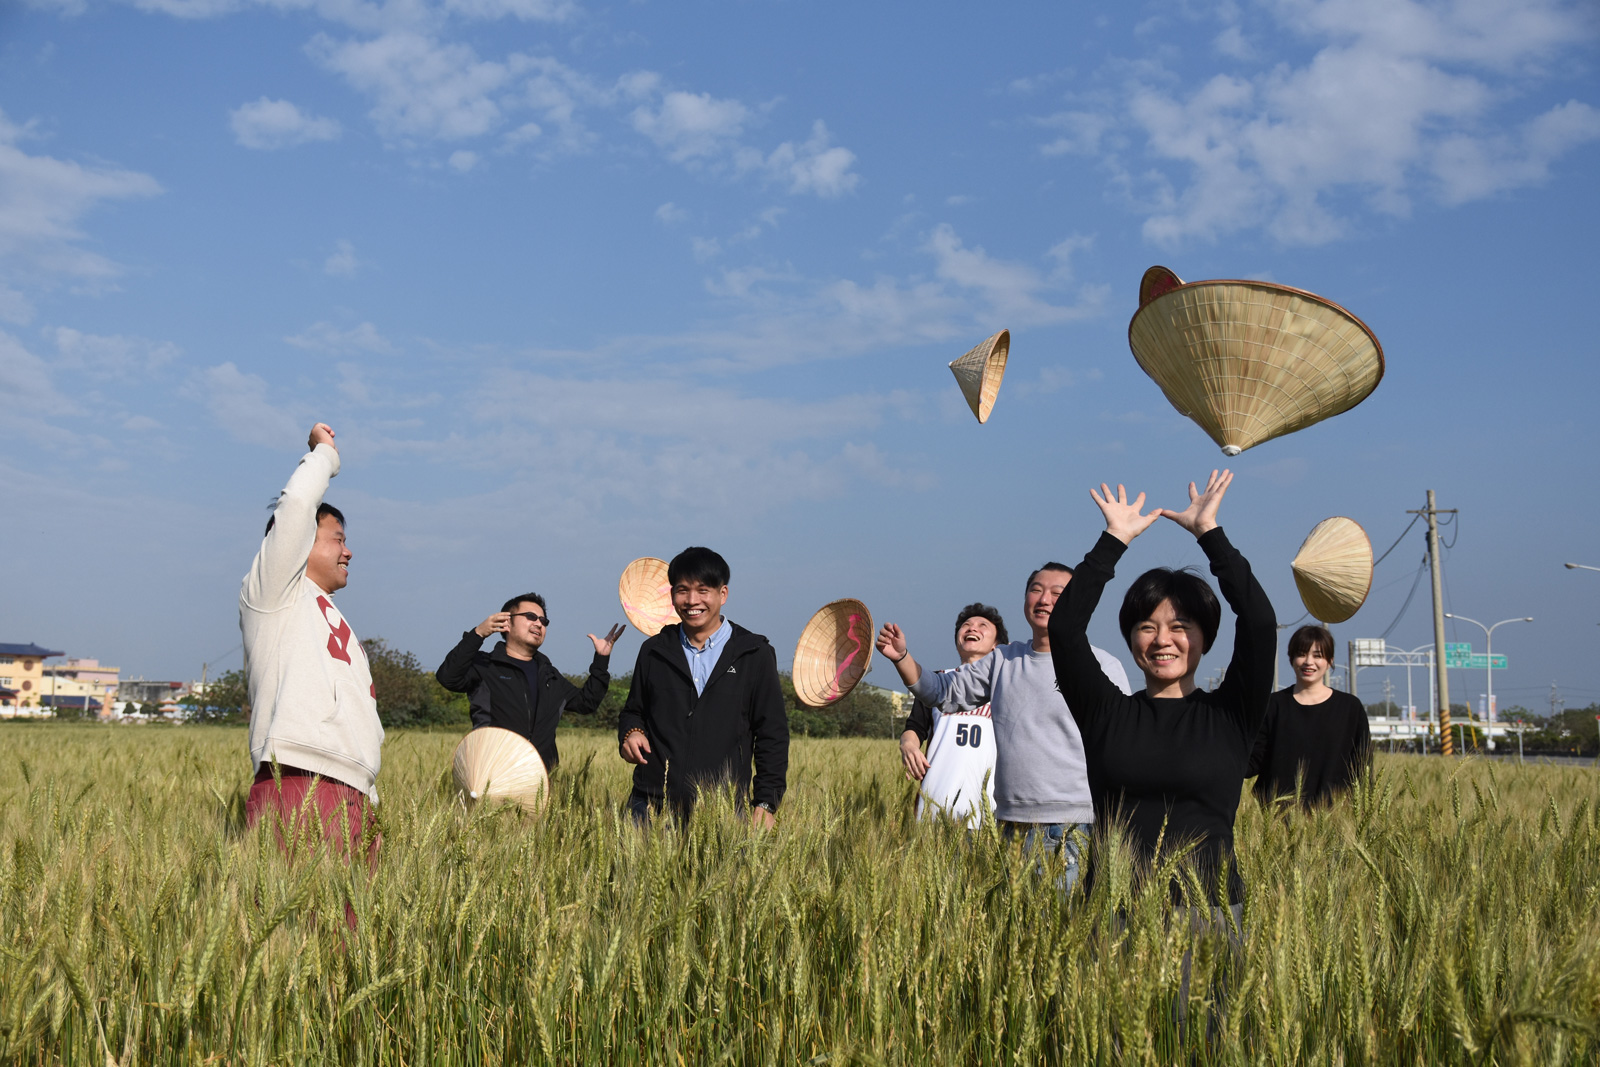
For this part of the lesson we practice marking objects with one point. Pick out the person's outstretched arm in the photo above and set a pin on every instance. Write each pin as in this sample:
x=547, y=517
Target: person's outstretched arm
x=1248, y=681
x=1079, y=674
x=598, y=683
x=281, y=560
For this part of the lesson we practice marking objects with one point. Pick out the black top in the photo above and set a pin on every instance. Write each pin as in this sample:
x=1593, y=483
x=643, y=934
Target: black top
x=524, y=696
x=920, y=721
x=1171, y=768
x=1329, y=743
x=700, y=740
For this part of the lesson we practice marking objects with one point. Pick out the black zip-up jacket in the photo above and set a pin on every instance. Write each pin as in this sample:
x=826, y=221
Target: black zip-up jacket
x=498, y=689
x=706, y=739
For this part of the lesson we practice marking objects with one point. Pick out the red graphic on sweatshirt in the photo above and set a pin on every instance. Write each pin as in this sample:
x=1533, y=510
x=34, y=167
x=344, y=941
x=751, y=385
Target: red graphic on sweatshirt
x=339, y=639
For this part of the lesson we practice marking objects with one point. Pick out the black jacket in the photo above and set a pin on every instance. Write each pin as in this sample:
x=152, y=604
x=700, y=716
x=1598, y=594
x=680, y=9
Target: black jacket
x=706, y=739
x=498, y=689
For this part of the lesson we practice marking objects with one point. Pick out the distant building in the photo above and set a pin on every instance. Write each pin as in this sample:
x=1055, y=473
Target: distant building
x=22, y=673
x=139, y=691
x=80, y=683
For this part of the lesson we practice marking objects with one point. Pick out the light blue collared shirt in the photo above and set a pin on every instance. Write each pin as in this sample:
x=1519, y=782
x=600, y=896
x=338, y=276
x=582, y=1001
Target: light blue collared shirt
x=702, y=661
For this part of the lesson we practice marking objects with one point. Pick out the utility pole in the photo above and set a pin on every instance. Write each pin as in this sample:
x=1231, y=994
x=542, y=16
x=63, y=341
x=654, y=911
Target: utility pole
x=1438, y=621
x=1555, y=701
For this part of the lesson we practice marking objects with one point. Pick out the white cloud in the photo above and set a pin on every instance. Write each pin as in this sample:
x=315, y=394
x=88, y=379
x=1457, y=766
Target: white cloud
x=816, y=166
x=271, y=124
x=326, y=337
x=670, y=214
x=461, y=160
x=122, y=358
x=342, y=261
x=1014, y=292
x=421, y=87
x=41, y=202
x=238, y=403
x=690, y=126
x=26, y=390
x=526, y=10
x=1402, y=100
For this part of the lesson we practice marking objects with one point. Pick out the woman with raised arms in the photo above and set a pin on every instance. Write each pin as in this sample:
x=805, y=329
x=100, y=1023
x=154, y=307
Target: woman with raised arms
x=1169, y=761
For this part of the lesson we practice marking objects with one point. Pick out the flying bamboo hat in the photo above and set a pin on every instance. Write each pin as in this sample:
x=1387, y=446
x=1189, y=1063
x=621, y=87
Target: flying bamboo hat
x=979, y=373
x=1250, y=361
x=1333, y=569
x=834, y=651
x=496, y=764
x=646, y=596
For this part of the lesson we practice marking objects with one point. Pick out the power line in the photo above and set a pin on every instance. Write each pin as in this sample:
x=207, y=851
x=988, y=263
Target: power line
x=1397, y=540
x=1416, y=581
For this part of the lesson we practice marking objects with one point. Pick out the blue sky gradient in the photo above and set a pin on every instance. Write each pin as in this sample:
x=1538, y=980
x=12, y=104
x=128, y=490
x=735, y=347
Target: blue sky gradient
x=579, y=283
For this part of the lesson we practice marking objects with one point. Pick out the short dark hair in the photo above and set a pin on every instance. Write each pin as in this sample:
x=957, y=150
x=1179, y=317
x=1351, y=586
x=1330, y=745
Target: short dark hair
x=1308, y=637
x=511, y=604
x=1191, y=597
x=984, y=611
x=322, y=509
x=697, y=564
x=1051, y=566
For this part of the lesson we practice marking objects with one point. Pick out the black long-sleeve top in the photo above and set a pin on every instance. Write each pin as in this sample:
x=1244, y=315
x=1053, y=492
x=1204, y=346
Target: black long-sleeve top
x=1172, y=765
x=1329, y=744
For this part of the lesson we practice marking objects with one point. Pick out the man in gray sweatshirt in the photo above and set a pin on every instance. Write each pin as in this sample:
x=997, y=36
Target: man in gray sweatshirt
x=1041, y=782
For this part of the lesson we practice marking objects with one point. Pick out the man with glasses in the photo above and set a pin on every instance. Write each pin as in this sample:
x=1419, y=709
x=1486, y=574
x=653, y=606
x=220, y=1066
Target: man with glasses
x=516, y=687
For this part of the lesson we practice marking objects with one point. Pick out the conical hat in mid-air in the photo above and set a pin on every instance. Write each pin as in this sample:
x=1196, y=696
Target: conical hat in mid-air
x=646, y=596
x=979, y=373
x=1333, y=569
x=834, y=651
x=496, y=764
x=1250, y=361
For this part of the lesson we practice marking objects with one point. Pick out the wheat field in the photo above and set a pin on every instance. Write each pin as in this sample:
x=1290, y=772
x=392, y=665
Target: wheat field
x=1449, y=914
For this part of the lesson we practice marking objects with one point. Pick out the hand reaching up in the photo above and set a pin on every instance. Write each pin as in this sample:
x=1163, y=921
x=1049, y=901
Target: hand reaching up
x=603, y=645
x=1123, y=520
x=1201, y=514
x=321, y=434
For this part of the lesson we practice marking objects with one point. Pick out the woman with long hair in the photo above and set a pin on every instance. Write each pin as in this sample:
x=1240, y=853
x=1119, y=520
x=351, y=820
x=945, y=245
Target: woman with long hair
x=1169, y=761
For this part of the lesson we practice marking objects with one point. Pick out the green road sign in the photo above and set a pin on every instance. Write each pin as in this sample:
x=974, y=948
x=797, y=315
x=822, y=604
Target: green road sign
x=1480, y=662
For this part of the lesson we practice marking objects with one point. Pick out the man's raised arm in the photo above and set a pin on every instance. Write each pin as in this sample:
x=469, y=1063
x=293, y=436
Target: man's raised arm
x=287, y=545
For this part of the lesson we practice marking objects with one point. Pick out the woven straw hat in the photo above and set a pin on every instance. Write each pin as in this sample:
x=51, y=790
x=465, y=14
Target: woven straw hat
x=979, y=373
x=834, y=651
x=1250, y=361
x=1333, y=569
x=646, y=596
x=496, y=764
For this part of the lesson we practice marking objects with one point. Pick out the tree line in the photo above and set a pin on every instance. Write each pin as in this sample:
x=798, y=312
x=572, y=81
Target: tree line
x=409, y=696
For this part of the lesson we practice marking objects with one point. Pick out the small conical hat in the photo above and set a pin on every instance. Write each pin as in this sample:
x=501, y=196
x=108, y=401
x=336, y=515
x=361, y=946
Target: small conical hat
x=1333, y=569
x=1250, y=361
x=646, y=596
x=834, y=651
x=979, y=373
x=496, y=764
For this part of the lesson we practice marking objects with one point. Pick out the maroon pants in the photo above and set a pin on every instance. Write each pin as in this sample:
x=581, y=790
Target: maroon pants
x=342, y=813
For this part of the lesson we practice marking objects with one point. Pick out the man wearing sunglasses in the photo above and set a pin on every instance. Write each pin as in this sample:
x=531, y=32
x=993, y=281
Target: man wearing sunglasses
x=516, y=687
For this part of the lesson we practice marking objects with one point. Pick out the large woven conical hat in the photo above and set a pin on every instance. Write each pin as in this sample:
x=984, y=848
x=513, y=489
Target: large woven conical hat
x=646, y=596
x=496, y=764
x=834, y=651
x=1333, y=569
x=979, y=373
x=1250, y=361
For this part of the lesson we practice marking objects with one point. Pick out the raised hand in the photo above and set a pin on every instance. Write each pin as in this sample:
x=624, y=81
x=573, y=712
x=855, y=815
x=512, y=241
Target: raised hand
x=603, y=645
x=892, y=643
x=1201, y=514
x=1123, y=520
x=498, y=623
x=321, y=434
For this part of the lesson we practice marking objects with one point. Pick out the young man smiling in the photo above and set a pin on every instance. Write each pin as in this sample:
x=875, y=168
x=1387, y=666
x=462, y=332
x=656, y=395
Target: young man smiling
x=705, y=703
x=313, y=712
x=516, y=687
x=1041, y=781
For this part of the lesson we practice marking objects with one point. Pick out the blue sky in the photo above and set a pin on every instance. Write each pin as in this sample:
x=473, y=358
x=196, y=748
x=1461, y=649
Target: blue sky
x=578, y=283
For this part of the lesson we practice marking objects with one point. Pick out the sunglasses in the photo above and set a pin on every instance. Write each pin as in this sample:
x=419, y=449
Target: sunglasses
x=541, y=620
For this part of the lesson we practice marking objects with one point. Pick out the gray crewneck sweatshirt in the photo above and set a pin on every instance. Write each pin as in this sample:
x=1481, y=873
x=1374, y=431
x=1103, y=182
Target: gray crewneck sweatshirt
x=1040, y=775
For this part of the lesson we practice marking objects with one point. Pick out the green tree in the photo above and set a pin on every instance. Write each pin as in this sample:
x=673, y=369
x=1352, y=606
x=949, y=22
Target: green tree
x=225, y=700
x=407, y=694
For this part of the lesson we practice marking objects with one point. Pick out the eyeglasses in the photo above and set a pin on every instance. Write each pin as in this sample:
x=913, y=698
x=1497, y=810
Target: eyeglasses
x=539, y=620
